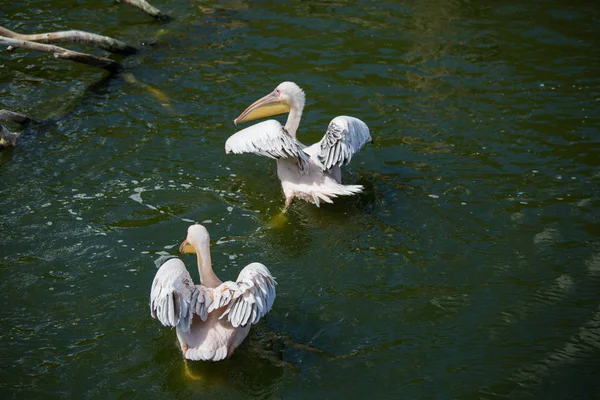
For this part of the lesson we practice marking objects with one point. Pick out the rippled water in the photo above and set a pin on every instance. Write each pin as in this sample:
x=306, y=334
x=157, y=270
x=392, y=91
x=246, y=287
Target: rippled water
x=469, y=268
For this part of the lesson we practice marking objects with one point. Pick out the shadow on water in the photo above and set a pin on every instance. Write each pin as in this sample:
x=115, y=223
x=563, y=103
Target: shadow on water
x=255, y=369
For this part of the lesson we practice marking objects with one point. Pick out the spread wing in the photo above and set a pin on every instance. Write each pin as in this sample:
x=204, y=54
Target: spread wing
x=249, y=298
x=267, y=138
x=174, y=299
x=345, y=136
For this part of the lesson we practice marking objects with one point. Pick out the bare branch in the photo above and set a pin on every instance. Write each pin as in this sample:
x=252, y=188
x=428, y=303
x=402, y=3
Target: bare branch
x=148, y=9
x=80, y=37
x=60, y=52
x=6, y=115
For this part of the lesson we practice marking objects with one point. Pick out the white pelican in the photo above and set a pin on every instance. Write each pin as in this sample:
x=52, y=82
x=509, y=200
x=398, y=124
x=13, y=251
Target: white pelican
x=213, y=318
x=310, y=173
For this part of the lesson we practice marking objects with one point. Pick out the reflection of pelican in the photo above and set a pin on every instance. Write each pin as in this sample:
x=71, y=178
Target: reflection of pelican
x=310, y=173
x=212, y=318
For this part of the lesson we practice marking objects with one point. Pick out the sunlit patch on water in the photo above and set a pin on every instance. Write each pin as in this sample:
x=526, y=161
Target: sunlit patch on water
x=579, y=347
x=547, y=237
x=593, y=265
x=552, y=294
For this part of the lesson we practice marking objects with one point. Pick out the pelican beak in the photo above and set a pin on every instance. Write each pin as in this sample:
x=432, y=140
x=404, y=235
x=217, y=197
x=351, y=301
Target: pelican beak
x=186, y=248
x=269, y=105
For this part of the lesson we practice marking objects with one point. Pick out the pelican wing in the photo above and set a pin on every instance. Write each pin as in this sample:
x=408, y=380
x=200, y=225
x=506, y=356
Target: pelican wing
x=345, y=136
x=268, y=139
x=174, y=299
x=249, y=298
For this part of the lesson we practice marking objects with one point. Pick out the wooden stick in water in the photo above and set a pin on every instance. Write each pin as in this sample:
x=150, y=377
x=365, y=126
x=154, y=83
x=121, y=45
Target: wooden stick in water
x=148, y=9
x=79, y=37
x=62, y=53
x=7, y=138
x=6, y=115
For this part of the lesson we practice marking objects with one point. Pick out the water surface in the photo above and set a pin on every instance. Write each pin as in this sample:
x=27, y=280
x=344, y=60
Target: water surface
x=469, y=267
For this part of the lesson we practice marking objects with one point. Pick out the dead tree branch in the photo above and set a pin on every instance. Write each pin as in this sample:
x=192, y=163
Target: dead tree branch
x=60, y=52
x=6, y=115
x=7, y=138
x=80, y=37
x=148, y=9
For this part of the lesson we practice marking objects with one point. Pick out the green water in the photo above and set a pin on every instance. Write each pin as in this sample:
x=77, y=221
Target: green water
x=469, y=268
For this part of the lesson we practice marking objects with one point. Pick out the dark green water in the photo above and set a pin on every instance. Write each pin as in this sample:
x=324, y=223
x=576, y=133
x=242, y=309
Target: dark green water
x=469, y=268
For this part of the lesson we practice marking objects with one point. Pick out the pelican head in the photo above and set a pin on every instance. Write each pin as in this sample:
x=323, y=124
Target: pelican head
x=287, y=96
x=197, y=237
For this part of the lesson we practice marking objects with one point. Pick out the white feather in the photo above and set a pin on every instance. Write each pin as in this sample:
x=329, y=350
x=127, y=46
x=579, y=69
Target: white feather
x=345, y=136
x=171, y=295
x=269, y=139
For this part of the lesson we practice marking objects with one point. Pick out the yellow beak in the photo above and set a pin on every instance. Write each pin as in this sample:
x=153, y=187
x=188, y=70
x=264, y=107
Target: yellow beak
x=186, y=248
x=265, y=107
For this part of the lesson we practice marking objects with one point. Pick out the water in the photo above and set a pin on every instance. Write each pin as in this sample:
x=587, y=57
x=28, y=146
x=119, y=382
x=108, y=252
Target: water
x=469, y=268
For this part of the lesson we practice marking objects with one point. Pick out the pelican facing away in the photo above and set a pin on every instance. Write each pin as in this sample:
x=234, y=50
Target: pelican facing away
x=213, y=318
x=310, y=173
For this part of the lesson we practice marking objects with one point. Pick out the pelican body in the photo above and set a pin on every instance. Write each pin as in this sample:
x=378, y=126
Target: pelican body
x=211, y=319
x=310, y=173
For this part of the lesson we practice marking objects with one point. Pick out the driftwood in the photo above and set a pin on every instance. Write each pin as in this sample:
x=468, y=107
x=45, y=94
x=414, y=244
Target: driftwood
x=79, y=37
x=6, y=115
x=62, y=53
x=148, y=9
x=7, y=138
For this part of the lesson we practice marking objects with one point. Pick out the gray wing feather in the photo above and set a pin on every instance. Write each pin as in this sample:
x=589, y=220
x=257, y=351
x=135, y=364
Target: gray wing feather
x=252, y=295
x=174, y=299
x=345, y=136
x=269, y=139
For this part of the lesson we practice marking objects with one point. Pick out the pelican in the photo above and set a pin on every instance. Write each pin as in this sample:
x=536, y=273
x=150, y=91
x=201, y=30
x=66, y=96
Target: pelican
x=310, y=173
x=213, y=318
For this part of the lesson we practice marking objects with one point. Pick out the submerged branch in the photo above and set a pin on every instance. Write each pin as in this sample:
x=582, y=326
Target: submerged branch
x=6, y=115
x=60, y=52
x=79, y=37
x=7, y=138
x=148, y=9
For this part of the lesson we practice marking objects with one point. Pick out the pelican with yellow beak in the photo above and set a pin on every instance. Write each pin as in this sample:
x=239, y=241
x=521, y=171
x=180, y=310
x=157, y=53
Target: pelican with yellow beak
x=214, y=317
x=310, y=173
